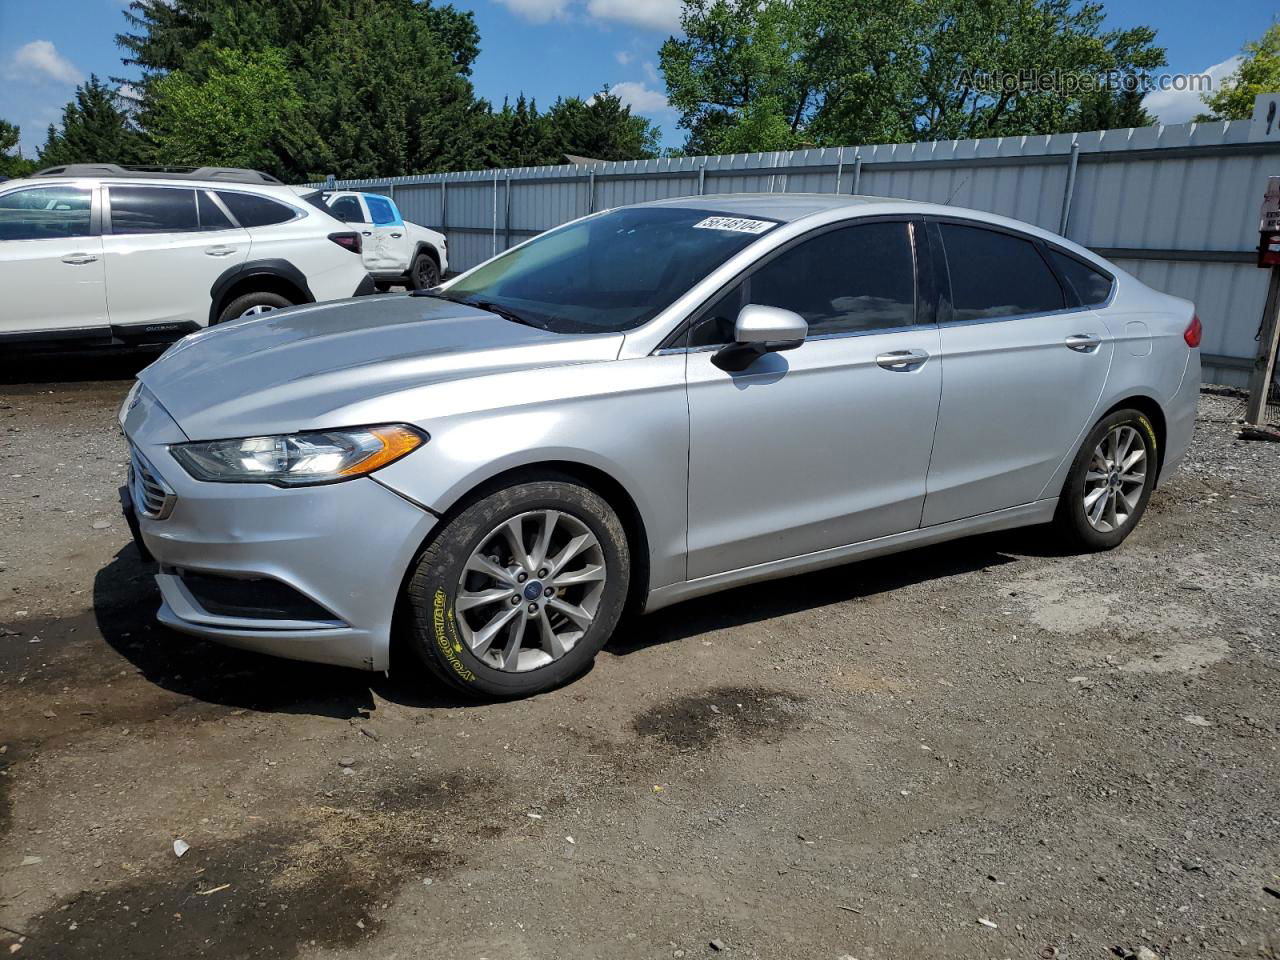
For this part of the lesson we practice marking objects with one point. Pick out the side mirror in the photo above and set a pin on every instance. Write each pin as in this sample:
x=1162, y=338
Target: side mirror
x=760, y=330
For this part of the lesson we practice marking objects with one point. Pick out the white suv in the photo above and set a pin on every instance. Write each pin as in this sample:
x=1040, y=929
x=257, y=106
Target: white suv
x=395, y=251
x=97, y=254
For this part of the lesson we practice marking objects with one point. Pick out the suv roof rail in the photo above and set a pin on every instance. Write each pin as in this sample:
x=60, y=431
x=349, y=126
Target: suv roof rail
x=227, y=174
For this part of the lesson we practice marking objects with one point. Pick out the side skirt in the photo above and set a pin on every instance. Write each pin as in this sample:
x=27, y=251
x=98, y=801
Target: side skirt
x=1029, y=514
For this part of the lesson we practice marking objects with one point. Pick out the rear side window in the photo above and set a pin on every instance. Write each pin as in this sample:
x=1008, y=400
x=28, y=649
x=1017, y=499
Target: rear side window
x=153, y=210
x=211, y=215
x=347, y=209
x=1090, y=285
x=255, y=211
x=45, y=213
x=996, y=275
x=381, y=211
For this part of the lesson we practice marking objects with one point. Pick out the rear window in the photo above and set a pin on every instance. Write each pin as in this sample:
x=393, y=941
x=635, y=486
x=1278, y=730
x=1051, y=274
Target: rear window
x=347, y=209
x=255, y=211
x=211, y=215
x=1090, y=285
x=997, y=275
x=381, y=211
x=153, y=210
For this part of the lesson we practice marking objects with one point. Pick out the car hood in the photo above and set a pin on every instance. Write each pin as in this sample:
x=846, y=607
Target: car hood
x=298, y=369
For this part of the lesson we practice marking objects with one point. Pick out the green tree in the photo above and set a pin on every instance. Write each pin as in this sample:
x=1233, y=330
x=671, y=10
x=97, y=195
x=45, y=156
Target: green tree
x=94, y=130
x=12, y=162
x=603, y=128
x=1258, y=73
x=774, y=74
x=245, y=112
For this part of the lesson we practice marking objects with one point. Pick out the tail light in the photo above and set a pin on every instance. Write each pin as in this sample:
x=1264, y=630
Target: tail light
x=1193, y=332
x=348, y=241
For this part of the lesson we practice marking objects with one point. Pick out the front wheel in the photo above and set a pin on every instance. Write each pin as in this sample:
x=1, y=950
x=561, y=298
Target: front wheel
x=424, y=272
x=519, y=591
x=252, y=304
x=1110, y=481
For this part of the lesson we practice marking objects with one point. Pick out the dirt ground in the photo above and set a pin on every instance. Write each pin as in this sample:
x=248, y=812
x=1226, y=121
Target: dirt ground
x=986, y=749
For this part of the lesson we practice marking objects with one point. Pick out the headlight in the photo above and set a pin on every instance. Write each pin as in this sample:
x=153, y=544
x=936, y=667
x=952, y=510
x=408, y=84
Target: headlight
x=324, y=456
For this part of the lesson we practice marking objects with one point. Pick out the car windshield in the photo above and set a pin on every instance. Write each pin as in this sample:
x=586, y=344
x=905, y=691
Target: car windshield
x=611, y=272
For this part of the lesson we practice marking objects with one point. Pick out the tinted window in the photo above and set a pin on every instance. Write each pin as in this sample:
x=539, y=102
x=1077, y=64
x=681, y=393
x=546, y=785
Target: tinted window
x=45, y=213
x=996, y=275
x=856, y=278
x=211, y=215
x=347, y=209
x=381, y=211
x=610, y=272
x=1091, y=286
x=153, y=210
x=254, y=211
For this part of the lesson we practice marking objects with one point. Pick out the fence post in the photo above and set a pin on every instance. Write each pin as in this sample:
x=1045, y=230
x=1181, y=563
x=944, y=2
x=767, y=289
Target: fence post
x=1264, y=367
x=495, y=214
x=1072, y=162
x=444, y=208
x=591, y=191
x=839, y=168
x=857, y=173
x=506, y=227
x=702, y=178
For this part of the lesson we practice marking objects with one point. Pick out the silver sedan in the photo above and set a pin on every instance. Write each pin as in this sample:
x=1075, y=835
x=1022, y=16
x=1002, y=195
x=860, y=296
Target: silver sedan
x=645, y=405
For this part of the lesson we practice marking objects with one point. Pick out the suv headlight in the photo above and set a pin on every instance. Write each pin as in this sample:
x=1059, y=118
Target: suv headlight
x=298, y=459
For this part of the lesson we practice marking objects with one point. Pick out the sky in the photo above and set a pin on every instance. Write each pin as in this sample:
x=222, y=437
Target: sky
x=550, y=48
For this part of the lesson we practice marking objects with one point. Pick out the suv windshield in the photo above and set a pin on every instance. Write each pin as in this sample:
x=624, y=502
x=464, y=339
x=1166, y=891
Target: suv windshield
x=609, y=273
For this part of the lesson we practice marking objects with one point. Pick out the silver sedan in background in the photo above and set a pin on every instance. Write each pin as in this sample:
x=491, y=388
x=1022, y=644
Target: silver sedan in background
x=645, y=405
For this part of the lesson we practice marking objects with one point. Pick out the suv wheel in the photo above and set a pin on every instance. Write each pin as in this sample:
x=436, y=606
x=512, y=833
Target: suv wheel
x=1110, y=482
x=424, y=273
x=519, y=591
x=251, y=304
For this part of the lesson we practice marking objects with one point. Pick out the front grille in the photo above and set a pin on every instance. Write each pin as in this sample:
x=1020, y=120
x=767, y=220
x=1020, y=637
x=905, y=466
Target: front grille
x=151, y=495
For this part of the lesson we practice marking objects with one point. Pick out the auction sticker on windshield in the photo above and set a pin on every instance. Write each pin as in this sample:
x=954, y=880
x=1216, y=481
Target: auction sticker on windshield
x=736, y=224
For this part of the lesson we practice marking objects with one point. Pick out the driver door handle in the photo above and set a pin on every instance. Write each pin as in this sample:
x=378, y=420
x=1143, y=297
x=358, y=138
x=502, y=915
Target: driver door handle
x=397, y=235
x=368, y=233
x=76, y=259
x=1083, y=342
x=219, y=250
x=902, y=359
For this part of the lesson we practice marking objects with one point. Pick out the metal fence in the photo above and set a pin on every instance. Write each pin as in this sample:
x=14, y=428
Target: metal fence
x=1177, y=206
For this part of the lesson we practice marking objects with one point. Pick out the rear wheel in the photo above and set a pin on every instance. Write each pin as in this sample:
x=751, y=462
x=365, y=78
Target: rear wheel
x=252, y=304
x=424, y=272
x=521, y=589
x=1110, y=482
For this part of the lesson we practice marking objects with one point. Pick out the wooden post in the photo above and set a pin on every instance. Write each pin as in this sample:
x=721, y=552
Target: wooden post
x=1264, y=366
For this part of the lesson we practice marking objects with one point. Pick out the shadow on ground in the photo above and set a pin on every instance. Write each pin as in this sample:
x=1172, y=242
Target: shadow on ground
x=74, y=366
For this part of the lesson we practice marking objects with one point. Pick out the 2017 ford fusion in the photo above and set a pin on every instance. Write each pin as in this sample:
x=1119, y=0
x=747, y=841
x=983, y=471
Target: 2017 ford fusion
x=645, y=405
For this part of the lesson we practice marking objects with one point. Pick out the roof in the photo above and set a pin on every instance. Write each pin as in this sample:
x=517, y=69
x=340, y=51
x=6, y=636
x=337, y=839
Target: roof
x=776, y=206
x=219, y=174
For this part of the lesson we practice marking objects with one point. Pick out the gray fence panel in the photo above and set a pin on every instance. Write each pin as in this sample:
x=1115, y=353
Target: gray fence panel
x=1176, y=206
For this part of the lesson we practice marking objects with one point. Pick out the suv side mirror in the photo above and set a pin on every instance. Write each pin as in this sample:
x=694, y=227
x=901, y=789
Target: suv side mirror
x=760, y=330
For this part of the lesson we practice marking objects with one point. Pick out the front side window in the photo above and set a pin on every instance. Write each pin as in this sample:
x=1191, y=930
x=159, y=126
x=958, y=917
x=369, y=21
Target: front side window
x=996, y=274
x=381, y=211
x=46, y=213
x=852, y=279
x=153, y=210
x=251, y=210
x=610, y=272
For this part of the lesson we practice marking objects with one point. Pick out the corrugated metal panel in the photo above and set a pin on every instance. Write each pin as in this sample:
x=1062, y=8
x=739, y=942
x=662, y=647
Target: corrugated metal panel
x=1191, y=188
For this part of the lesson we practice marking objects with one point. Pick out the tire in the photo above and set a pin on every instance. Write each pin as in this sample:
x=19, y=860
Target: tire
x=1101, y=481
x=246, y=302
x=453, y=642
x=424, y=272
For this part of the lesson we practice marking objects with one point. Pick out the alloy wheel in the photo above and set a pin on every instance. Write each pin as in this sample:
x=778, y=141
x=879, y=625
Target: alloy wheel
x=530, y=591
x=256, y=309
x=1115, y=479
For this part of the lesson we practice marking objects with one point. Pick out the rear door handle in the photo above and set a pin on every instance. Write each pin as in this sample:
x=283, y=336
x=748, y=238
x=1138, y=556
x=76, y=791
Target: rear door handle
x=397, y=235
x=76, y=259
x=1083, y=342
x=902, y=359
x=219, y=251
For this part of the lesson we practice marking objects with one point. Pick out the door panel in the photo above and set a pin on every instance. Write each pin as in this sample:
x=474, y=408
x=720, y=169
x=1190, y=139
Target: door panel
x=51, y=265
x=161, y=263
x=1017, y=391
x=390, y=243
x=813, y=448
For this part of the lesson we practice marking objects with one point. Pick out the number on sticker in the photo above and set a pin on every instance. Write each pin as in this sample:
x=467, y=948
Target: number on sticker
x=736, y=224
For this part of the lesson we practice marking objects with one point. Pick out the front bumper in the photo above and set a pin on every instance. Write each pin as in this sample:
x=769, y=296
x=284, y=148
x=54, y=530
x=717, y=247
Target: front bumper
x=341, y=549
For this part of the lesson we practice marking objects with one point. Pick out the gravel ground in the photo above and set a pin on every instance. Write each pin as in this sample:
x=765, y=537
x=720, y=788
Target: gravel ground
x=984, y=749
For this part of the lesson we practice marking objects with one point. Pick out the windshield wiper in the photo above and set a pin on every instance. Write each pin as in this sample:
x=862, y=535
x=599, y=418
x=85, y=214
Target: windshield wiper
x=487, y=305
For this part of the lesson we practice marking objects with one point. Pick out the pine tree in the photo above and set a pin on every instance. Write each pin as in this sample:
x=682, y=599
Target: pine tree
x=94, y=130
